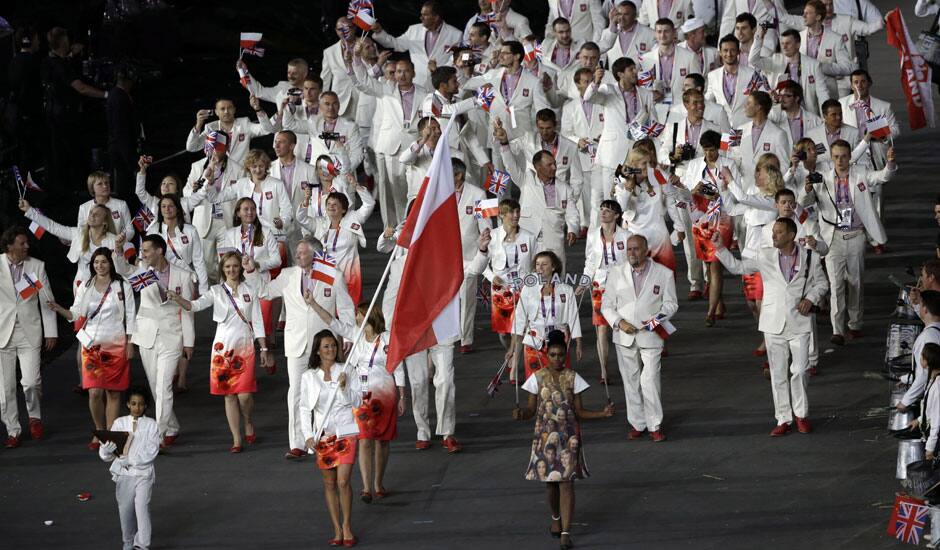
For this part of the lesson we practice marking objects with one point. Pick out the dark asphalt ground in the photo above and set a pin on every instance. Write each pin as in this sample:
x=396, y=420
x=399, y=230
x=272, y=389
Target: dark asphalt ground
x=718, y=482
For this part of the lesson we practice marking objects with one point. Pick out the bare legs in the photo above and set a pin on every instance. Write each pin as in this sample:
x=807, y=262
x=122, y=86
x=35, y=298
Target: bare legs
x=238, y=408
x=603, y=349
x=105, y=406
x=338, y=495
x=716, y=284
x=373, y=459
x=561, y=501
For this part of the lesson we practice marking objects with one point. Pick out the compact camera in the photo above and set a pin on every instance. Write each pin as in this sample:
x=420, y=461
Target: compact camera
x=330, y=135
x=766, y=25
x=686, y=153
x=296, y=96
x=814, y=178
x=627, y=172
x=801, y=155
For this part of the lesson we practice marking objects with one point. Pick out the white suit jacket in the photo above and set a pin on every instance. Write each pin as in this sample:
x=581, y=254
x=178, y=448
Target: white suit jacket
x=708, y=54
x=862, y=183
x=848, y=133
x=534, y=214
x=335, y=78
x=714, y=91
x=120, y=214
x=879, y=107
x=395, y=126
x=773, y=139
x=684, y=63
x=567, y=158
x=714, y=113
x=781, y=119
x=644, y=40
x=527, y=99
x=778, y=312
x=470, y=226
x=413, y=42
x=202, y=213
x=677, y=128
x=587, y=19
x=681, y=10
x=156, y=317
x=12, y=307
x=302, y=322
x=348, y=144
x=620, y=301
x=615, y=142
x=575, y=125
x=238, y=139
x=833, y=57
x=774, y=66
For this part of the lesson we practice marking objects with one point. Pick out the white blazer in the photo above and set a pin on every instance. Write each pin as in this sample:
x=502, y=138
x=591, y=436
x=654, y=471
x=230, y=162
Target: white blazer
x=302, y=322
x=535, y=215
x=587, y=19
x=526, y=100
x=684, y=63
x=879, y=107
x=781, y=119
x=575, y=125
x=774, y=65
x=681, y=10
x=615, y=142
x=395, y=126
x=677, y=128
x=862, y=183
x=202, y=213
x=13, y=308
x=274, y=201
x=239, y=137
x=336, y=79
x=773, y=139
x=714, y=91
x=348, y=144
x=848, y=133
x=156, y=316
x=496, y=263
x=778, y=312
x=833, y=57
x=413, y=42
x=567, y=158
x=470, y=225
x=644, y=40
x=657, y=297
x=707, y=59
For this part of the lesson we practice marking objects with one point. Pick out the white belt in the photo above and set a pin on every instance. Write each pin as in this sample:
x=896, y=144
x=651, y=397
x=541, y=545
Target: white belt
x=849, y=235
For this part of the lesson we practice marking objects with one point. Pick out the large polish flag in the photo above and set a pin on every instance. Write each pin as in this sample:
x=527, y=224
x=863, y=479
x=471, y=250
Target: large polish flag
x=427, y=309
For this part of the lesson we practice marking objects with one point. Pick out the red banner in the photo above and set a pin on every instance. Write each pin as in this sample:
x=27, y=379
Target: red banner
x=915, y=73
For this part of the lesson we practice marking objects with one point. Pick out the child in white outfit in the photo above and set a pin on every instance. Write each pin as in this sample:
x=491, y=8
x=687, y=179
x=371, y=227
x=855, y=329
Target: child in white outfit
x=133, y=472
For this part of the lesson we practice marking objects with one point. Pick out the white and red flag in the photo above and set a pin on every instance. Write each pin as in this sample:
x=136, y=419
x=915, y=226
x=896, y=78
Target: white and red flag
x=661, y=326
x=365, y=15
x=731, y=139
x=915, y=72
x=878, y=127
x=324, y=268
x=29, y=284
x=248, y=42
x=427, y=309
x=486, y=208
x=37, y=229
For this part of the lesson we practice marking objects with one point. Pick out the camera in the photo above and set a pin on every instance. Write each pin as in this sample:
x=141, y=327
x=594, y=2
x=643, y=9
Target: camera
x=814, y=178
x=709, y=189
x=296, y=96
x=330, y=135
x=801, y=155
x=627, y=172
x=766, y=25
x=686, y=153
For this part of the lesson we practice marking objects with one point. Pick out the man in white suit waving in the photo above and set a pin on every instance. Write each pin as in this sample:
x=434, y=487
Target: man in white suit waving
x=427, y=42
x=638, y=292
x=794, y=283
x=23, y=323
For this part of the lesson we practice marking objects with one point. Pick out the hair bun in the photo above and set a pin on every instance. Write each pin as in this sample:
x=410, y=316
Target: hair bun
x=556, y=338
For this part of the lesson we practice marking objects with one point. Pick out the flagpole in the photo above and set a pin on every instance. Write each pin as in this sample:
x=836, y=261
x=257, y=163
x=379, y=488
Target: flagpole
x=358, y=337
x=174, y=155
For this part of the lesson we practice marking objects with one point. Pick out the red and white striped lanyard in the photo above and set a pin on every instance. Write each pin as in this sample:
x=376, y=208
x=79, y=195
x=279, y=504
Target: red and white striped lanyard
x=613, y=252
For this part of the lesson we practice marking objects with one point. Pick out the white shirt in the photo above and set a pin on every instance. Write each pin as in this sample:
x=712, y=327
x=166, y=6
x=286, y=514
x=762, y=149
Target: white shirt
x=143, y=450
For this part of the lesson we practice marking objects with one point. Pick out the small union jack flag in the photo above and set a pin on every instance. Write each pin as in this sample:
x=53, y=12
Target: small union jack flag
x=758, y=81
x=352, y=9
x=143, y=279
x=142, y=219
x=653, y=129
x=646, y=78
x=910, y=522
x=485, y=96
x=364, y=17
x=487, y=208
x=215, y=141
x=714, y=210
x=497, y=182
x=662, y=327
x=489, y=18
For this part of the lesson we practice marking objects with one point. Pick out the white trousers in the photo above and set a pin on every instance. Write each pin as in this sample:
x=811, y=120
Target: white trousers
x=20, y=348
x=694, y=267
x=813, y=341
x=392, y=184
x=553, y=239
x=468, y=308
x=444, y=390
x=788, y=354
x=845, y=265
x=295, y=369
x=209, y=251
x=639, y=370
x=133, y=500
x=160, y=365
